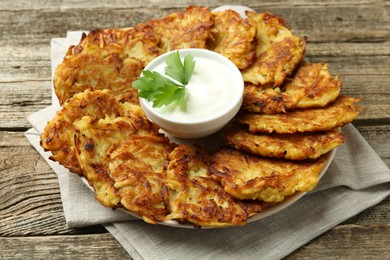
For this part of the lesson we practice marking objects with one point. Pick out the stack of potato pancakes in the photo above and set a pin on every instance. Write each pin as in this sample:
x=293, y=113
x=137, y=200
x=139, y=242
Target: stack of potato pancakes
x=276, y=146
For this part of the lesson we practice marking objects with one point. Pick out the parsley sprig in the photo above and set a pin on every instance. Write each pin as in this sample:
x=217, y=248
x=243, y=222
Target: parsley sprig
x=162, y=91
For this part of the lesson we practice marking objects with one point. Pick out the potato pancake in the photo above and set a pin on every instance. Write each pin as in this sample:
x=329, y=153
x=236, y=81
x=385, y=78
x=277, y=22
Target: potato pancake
x=232, y=37
x=108, y=58
x=311, y=86
x=278, y=52
x=274, y=65
x=194, y=196
x=341, y=112
x=113, y=70
x=58, y=135
x=246, y=176
x=92, y=156
x=323, y=87
x=269, y=28
x=132, y=41
x=187, y=29
x=110, y=154
x=299, y=146
x=138, y=169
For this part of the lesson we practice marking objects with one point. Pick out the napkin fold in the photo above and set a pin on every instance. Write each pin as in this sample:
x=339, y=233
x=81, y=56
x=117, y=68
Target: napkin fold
x=356, y=180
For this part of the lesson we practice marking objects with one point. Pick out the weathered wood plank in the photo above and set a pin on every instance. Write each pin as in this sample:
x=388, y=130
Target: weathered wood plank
x=338, y=24
x=96, y=246
x=20, y=99
x=347, y=242
x=379, y=139
x=355, y=65
x=30, y=202
x=182, y=4
x=47, y=24
x=347, y=49
x=20, y=63
x=7, y=5
x=342, y=242
x=320, y=24
x=116, y=4
x=375, y=93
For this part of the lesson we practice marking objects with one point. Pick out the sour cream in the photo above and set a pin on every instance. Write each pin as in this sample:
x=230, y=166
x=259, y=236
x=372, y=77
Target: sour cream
x=214, y=95
x=210, y=90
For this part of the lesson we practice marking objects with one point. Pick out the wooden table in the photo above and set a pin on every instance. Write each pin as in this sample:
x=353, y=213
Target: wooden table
x=353, y=37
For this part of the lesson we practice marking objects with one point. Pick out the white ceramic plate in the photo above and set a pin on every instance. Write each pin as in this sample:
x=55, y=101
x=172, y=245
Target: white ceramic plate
x=214, y=142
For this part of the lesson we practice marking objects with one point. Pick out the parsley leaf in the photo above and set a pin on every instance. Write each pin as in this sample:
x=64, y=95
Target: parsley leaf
x=179, y=71
x=162, y=91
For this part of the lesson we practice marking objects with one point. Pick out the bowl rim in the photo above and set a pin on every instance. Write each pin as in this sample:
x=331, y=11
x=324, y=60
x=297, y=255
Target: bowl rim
x=231, y=108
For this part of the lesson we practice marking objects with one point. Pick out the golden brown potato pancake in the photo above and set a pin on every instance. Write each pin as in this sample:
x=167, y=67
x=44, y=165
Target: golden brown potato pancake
x=323, y=87
x=113, y=70
x=97, y=140
x=299, y=146
x=93, y=146
x=341, y=112
x=194, y=196
x=124, y=160
x=278, y=52
x=135, y=43
x=269, y=28
x=138, y=169
x=246, y=176
x=274, y=65
x=232, y=37
x=58, y=135
x=107, y=58
x=311, y=86
x=187, y=29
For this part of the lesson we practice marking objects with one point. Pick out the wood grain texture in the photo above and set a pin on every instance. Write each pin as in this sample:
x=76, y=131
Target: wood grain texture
x=321, y=24
x=342, y=242
x=353, y=37
x=90, y=246
x=347, y=242
x=30, y=202
x=164, y=4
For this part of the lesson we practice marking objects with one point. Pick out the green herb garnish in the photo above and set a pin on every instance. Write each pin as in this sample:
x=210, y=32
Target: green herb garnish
x=179, y=71
x=162, y=91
